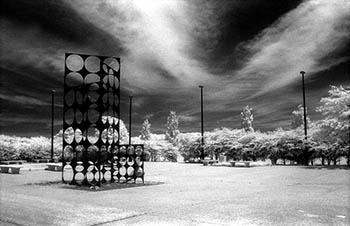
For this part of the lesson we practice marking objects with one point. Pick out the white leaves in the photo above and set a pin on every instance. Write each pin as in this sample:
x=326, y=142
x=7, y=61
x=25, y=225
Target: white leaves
x=172, y=127
x=336, y=109
x=145, y=131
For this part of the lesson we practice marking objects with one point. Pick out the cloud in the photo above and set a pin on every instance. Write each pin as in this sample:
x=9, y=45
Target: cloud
x=186, y=118
x=24, y=100
x=10, y=121
x=157, y=37
x=306, y=38
x=169, y=47
x=31, y=48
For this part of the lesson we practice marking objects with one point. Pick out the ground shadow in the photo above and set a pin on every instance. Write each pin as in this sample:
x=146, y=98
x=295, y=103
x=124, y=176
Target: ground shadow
x=103, y=187
x=343, y=167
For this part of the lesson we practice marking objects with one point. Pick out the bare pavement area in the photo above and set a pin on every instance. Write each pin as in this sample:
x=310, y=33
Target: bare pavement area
x=182, y=194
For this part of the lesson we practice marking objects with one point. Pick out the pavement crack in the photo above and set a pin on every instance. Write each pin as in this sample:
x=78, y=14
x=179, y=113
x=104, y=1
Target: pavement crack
x=119, y=219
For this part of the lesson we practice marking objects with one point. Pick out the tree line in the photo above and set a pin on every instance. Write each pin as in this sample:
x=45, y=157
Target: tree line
x=328, y=138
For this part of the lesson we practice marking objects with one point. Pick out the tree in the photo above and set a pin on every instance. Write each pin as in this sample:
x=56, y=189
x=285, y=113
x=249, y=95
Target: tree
x=336, y=109
x=24, y=148
x=247, y=119
x=335, y=127
x=145, y=131
x=298, y=117
x=123, y=133
x=172, y=128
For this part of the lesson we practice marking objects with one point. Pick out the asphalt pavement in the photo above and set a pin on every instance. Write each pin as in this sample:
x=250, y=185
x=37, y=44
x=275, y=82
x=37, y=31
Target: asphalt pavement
x=182, y=194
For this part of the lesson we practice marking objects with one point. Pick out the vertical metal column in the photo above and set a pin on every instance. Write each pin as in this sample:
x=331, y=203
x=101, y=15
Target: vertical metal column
x=306, y=154
x=202, y=126
x=52, y=121
x=130, y=119
x=304, y=104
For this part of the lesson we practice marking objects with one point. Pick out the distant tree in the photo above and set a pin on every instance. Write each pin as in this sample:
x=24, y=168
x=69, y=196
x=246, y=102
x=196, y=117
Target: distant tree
x=247, y=119
x=191, y=150
x=172, y=128
x=336, y=109
x=123, y=133
x=25, y=148
x=298, y=117
x=334, y=128
x=145, y=131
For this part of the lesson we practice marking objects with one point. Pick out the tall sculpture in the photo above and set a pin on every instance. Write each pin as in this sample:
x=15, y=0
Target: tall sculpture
x=247, y=119
x=91, y=150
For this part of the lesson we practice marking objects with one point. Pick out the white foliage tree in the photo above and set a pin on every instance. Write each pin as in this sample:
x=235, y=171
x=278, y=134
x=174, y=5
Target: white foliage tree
x=334, y=130
x=247, y=119
x=336, y=109
x=146, y=130
x=172, y=132
x=298, y=117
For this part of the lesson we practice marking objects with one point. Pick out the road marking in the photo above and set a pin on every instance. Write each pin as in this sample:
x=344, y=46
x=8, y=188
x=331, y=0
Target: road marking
x=341, y=216
x=119, y=219
x=311, y=215
x=301, y=211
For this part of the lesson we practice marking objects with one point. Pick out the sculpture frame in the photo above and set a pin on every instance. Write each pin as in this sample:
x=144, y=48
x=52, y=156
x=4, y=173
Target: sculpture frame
x=92, y=153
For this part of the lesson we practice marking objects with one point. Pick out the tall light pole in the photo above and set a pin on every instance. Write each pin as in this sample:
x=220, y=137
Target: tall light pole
x=52, y=120
x=202, y=127
x=348, y=151
x=305, y=121
x=130, y=112
x=304, y=104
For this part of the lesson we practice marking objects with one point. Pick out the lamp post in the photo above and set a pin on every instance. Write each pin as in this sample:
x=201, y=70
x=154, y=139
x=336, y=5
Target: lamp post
x=130, y=111
x=52, y=120
x=202, y=128
x=304, y=104
x=348, y=151
x=306, y=162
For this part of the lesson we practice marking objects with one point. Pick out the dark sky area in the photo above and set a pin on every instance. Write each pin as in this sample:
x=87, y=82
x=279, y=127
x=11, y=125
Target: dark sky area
x=242, y=52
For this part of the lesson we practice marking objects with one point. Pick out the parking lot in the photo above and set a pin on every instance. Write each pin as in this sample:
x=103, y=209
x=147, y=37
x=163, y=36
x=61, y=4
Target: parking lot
x=182, y=194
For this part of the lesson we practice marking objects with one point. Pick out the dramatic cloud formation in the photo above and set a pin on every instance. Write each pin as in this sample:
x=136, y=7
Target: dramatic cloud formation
x=303, y=39
x=243, y=52
x=156, y=37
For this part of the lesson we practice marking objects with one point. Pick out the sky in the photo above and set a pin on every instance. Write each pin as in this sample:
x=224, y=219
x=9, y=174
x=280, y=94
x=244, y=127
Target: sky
x=244, y=52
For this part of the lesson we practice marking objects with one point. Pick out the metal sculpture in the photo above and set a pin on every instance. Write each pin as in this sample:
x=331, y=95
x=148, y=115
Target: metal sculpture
x=91, y=150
